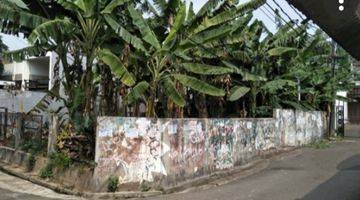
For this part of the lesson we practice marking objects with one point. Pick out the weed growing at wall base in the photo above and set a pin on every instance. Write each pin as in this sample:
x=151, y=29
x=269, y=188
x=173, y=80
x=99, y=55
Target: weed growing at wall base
x=60, y=161
x=30, y=163
x=47, y=171
x=323, y=144
x=113, y=183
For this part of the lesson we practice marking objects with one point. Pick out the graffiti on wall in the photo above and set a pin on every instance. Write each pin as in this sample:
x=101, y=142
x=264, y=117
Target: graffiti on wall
x=142, y=149
x=221, y=136
x=131, y=147
x=187, y=144
x=266, y=137
x=300, y=127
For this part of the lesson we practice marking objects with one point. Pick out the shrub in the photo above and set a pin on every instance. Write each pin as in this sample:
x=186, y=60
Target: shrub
x=113, y=183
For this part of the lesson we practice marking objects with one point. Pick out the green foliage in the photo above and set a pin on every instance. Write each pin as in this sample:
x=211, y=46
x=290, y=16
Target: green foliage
x=137, y=92
x=323, y=144
x=237, y=92
x=47, y=171
x=117, y=67
x=60, y=160
x=30, y=163
x=57, y=160
x=147, y=34
x=177, y=62
x=3, y=48
x=34, y=146
x=113, y=184
x=199, y=85
x=171, y=91
x=206, y=69
x=144, y=186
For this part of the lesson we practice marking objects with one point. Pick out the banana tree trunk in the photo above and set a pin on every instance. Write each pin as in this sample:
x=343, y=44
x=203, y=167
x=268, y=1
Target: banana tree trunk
x=150, y=107
x=200, y=103
x=253, y=103
x=151, y=102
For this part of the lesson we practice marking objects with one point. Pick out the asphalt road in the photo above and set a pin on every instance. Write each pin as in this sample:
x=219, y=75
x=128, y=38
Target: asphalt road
x=310, y=174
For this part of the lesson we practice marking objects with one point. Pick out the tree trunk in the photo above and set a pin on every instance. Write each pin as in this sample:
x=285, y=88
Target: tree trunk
x=200, y=103
x=150, y=107
x=253, y=102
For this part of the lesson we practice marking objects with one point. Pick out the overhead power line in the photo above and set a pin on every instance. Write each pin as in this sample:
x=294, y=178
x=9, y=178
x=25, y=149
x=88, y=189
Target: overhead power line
x=267, y=15
x=282, y=10
x=297, y=12
x=286, y=22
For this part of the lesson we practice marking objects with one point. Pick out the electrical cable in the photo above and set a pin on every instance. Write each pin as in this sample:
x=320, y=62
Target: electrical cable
x=267, y=15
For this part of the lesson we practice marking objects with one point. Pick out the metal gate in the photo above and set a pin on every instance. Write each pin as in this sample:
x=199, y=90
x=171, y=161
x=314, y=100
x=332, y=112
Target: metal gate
x=340, y=120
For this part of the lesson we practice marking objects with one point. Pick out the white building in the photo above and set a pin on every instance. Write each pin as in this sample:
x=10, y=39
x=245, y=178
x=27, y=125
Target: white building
x=32, y=78
x=33, y=74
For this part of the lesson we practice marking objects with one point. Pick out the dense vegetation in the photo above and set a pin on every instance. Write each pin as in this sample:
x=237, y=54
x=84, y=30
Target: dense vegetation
x=3, y=48
x=119, y=56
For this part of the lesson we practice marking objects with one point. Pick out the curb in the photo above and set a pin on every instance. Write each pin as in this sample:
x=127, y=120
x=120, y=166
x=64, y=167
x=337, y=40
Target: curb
x=36, y=181
x=251, y=168
x=59, y=189
x=216, y=176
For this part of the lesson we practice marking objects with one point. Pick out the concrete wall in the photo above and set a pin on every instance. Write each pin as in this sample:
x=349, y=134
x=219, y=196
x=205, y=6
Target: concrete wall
x=20, y=159
x=169, y=151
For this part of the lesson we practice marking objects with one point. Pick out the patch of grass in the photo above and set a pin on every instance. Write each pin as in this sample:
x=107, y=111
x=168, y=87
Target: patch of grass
x=144, y=186
x=113, y=183
x=60, y=160
x=323, y=144
x=47, y=171
x=57, y=160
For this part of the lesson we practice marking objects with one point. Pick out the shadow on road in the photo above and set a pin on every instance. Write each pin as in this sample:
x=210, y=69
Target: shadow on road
x=345, y=185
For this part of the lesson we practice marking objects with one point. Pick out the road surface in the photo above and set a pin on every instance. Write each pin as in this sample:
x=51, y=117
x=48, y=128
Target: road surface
x=311, y=174
x=13, y=188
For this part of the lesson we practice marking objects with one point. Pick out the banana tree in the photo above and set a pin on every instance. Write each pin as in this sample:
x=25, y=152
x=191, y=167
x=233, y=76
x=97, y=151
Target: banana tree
x=257, y=76
x=166, y=56
x=3, y=47
x=76, y=36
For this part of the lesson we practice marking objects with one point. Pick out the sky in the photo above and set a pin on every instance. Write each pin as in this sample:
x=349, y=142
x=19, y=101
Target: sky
x=265, y=13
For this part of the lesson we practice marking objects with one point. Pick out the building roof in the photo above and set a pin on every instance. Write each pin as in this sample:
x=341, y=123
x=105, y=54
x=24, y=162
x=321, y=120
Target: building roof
x=342, y=26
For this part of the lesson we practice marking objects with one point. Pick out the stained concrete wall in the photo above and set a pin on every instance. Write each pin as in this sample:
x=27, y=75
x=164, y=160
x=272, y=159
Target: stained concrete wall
x=169, y=151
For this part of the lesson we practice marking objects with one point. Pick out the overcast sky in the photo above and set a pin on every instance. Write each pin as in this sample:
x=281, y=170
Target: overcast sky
x=265, y=14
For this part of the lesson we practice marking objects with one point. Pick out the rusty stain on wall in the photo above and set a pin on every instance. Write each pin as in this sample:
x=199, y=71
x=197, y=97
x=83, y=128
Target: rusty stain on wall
x=131, y=147
x=173, y=150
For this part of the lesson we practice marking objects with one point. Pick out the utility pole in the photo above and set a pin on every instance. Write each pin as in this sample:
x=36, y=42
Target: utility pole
x=333, y=58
